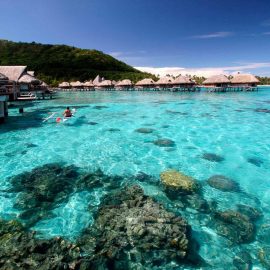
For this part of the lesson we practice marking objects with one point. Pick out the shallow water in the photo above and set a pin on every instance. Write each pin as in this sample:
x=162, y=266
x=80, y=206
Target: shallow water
x=102, y=134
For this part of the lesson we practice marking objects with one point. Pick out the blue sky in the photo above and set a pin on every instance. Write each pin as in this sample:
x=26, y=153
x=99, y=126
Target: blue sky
x=192, y=36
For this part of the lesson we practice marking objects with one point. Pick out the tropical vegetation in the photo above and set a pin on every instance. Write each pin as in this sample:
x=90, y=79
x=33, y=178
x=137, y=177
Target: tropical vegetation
x=57, y=63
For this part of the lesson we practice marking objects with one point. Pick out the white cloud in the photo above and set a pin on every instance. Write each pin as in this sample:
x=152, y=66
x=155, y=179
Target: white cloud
x=116, y=54
x=206, y=72
x=126, y=54
x=213, y=35
x=266, y=33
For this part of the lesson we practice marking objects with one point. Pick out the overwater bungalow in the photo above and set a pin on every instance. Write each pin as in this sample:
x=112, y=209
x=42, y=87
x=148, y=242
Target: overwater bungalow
x=217, y=83
x=106, y=85
x=31, y=72
x=245, y=81
x=183, y=83
x=29, y=83
x=45, y=85
x=64, y=85
x=124, y=85
x=77, y=85
x=4, y=96
x=164, y=83
x=145, y=84
x=13, y=73
x=97, y=80
x=89, y=86
x=21, y=81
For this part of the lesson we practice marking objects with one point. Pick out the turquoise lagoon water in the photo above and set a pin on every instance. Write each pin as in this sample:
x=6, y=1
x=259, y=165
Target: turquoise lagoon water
x=102, y=135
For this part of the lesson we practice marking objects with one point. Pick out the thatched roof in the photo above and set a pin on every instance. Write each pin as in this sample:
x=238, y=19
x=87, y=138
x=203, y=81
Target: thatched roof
x=32, y=73
x=88, y=84
x=145, y=82
x=183, y=80
x=97, y=80
x=124, y=83
x=165, y=80
x=76, y=84
x=244, y=78
x=3, y=77
x=105, y=83
x=64, y=84
x=28, y=79
x=44, y=84
x=13, y=72
x=217, y=79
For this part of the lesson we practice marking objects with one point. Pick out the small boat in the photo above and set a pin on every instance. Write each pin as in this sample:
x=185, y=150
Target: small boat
x=28, y=96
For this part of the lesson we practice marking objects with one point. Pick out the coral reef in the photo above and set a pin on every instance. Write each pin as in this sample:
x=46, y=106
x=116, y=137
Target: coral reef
x=21, y=250
x=145, y=130
x=223, y=183
x=212, y=157
x=176, y=183
x=44, y=188
x=131, y=229
x=164, y=143
x=235, y=226
x=243, y=261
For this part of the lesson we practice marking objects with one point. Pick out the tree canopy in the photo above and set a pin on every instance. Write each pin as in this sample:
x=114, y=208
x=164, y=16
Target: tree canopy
x=57, y=63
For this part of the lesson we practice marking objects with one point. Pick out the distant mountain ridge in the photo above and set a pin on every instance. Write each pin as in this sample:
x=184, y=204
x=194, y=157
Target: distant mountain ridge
x=57, y=63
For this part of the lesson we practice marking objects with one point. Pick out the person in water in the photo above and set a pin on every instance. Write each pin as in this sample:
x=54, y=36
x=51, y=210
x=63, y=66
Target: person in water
x=67, y=112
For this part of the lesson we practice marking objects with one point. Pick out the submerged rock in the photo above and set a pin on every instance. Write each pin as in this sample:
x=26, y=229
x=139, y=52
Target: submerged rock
x=43, y=188
x=264, y=233
x=113, y=129
x=97, y=179
x=251, y=212
x=243, y=261
x=165, y=126
x=100, y=107
x=31, y=145
x=197, y=202
x=223, y=183
x=145, y=130
x=176, y=112
x=92, y=123
x=255, y=161
x=212, y=157
x=143, y=177
x=164, y=143
x=235, y=226
x=21, y=250
x=176, y=183
x=132, y=229
x=264, y=257
x=262, y=110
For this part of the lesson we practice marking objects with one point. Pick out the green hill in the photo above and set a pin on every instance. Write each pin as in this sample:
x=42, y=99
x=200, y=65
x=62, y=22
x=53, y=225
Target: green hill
x=57, y=63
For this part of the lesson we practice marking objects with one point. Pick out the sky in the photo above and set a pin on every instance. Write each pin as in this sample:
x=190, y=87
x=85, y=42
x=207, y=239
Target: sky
x=201, y=37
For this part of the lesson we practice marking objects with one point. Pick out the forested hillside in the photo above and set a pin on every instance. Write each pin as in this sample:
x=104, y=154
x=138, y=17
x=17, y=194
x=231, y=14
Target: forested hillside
x=57, y=63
